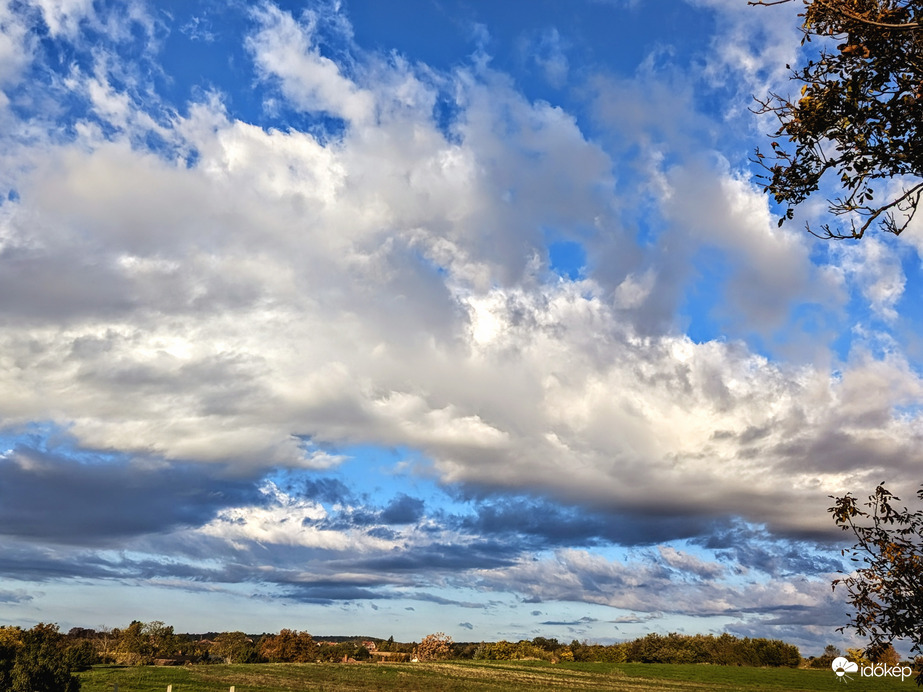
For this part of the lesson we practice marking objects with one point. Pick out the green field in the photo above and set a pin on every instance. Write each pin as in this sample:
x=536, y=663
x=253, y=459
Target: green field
x=476, y=676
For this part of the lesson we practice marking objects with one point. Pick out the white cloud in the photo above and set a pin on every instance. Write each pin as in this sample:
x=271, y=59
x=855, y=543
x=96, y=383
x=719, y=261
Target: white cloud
x=286, y=521
x=547, y=51
x=874, y=266
x=15, y=46
x=64, y=16
x=388, y=288
x=284, y=48
x=753, y=44
x=712, y=206
x=690, y=564
x=236, y=290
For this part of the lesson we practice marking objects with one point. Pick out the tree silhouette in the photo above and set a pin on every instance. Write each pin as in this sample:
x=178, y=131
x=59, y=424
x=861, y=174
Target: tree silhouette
x=884, y=589
x=858, y=118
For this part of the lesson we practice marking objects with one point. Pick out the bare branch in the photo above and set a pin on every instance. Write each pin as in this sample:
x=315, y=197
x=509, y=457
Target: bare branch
x=865, y=20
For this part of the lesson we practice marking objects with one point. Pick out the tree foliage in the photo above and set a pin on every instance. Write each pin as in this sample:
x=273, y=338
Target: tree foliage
x=884, y=589
x=858, y=118
x=509, y=651
x=234, y=647
x=132, y=647
x=652, y=648
x=825, y=660
x=724, y=649
x=143, y=643
x=10, y=641
x=35, y=660
x=434, y=647
x=289, y=646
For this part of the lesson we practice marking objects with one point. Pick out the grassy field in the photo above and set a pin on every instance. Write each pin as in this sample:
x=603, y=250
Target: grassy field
x=473, y=676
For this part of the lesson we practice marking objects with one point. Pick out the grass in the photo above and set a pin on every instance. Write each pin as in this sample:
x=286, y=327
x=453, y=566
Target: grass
x=471, y=676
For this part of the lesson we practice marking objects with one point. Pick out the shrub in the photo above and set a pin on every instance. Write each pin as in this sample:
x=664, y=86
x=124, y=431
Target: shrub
x=81, y=656
x=40, y=663
x=10, y=641
x=234, y=647
x=289, y=646
x=723, y=650
x=434, y=647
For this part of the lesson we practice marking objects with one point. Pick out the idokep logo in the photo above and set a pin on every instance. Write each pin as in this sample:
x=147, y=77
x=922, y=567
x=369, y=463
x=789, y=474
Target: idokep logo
x=841, y=666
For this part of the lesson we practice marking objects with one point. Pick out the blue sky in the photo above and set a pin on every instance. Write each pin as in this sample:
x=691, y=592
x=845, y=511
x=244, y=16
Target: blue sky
x=393, y=318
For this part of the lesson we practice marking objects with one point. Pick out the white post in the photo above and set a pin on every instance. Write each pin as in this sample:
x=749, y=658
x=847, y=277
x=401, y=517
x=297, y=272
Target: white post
x=169, y=688
x=232, y=688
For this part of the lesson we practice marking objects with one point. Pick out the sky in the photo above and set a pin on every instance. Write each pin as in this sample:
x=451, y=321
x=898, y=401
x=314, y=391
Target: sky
x=439, y=315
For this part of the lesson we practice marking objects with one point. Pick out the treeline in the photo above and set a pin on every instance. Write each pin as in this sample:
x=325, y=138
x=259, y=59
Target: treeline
x=41, y=658
x=724, y=649
x=156, y=643
x=291, y=646
x=887, y=655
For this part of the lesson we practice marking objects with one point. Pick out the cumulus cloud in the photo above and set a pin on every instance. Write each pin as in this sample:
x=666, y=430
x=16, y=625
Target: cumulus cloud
x=15, y=47
x=875, y=268
x=227, y=309
x=755, y=44
x=239, y=298
x=284, y=49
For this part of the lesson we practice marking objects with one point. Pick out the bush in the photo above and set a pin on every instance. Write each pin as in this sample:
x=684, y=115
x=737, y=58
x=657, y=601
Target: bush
x=723, y=650
x=41, y=664
x=434, y=647
x=234, y=647
x=10, y=641
x=825, y=660
x=289, y=646
x=81, y=656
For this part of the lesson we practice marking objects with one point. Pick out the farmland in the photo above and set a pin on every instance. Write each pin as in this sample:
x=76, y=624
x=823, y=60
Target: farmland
x=465, y=676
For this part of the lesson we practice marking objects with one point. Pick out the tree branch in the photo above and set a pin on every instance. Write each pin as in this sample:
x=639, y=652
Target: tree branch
x=859, y=18
x=843, y=11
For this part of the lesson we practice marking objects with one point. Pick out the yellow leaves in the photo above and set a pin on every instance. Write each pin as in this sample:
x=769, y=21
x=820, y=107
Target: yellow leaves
x=807, y=99
x=10, y=636
x=855, y=50
x=858, y=655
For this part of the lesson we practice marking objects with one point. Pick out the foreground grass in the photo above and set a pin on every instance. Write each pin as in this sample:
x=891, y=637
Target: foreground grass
x=469, y=676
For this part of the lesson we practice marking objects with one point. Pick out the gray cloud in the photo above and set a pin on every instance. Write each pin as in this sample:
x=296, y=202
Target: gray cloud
x=581, y=621
x=17, y=596
x=62, y=500
x=403, y=509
